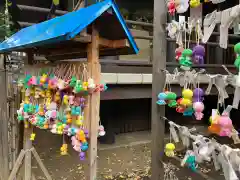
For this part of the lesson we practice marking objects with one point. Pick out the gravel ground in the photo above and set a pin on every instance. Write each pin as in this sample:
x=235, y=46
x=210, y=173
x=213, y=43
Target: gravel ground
x=130, y=163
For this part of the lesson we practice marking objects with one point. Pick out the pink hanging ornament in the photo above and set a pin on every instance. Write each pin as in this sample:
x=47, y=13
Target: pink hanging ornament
x=171, y=7
x=34, y=80
x=225, y=125
x=71, y=99
x=198, y=108
x=76, y=144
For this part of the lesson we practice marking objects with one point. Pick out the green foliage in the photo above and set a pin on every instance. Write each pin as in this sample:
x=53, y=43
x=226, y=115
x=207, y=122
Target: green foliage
x=5, y=25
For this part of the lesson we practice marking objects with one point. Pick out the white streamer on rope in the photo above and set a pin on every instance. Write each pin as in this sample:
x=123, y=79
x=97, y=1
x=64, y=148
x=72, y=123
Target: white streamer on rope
x=205, y=150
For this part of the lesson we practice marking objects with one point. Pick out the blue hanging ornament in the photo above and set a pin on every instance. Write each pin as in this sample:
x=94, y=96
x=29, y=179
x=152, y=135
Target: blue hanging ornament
x=161, y=98
x=188, y=112
x=84, y=146
x=78, y=110
x=161, y=102
x=73, y=110
x=191, y=162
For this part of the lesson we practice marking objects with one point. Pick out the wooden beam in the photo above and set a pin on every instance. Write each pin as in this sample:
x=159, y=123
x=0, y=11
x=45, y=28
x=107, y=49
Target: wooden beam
x=83, y=38
x=159, y=76
x=94, y=70
x=113, y=43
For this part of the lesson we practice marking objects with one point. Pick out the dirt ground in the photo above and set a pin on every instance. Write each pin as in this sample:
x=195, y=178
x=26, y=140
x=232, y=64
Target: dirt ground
x=129, y=161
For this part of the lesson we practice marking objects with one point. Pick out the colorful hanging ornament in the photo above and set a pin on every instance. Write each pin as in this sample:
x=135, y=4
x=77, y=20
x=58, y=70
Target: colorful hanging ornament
x=169, y=150
x=195, y=3
x=180, y=108
x=32, y=136
x=198, y=54
x=198, y=95
x=186, y=101
x=181, y=6
x=64, y=149
x=101, y=131
x=198, y=108
x=162, y=98
x=191, y=162
x=178, y=53
x=187, y=95
x=214, y=125
x=171, y=100
x=185, y=60
x=82, y=156
x=171, y=7
x=91, y=85
x=225, y=124
x=237, y=62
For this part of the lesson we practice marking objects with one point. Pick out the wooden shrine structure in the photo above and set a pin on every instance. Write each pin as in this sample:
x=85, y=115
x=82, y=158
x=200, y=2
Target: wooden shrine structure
x=105, y=33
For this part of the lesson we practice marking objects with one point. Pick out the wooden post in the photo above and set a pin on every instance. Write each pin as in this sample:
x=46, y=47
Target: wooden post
x=4, y=122
x=159, y=64
x=94, y=70
x=27, y=133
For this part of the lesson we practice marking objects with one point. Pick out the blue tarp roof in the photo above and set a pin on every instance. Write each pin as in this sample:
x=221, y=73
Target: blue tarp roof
x=63, y=28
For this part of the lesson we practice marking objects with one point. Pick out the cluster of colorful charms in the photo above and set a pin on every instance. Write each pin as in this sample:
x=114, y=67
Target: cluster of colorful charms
x=168, y=98
x=181, y=6
x=56, y=104
x=221, y=124
x=190, y=102
x=185, y=56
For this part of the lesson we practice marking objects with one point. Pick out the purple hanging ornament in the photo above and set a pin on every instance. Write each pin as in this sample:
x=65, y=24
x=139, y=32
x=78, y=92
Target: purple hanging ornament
x=198, y=94
x=82, y=156
x=86, y=133
x=198, y=54
x=82, y=100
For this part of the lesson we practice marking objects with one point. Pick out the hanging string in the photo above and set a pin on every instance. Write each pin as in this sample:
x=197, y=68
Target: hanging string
x=185, y=35
x=190, y=32
x=197, y=31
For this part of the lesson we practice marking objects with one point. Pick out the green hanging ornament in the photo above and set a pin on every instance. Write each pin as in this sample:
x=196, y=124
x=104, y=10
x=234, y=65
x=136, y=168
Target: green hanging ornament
x=237, y=51
x=73, y=81
x=26, y=80
x=185, y=60
x=172, y=104
x=78, y=87
x=171, y=96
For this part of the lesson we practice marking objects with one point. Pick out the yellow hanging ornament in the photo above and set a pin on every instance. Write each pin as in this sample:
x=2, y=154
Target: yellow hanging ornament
x=169, y=150
x=65, y=99
x=57, y=96
x=26, y=124
x=26, y=100
x=32, y=91
x=64, y=149
x=48, y=93
x=194, y=3
x=32, y=136
x=187, y=93
x=41, y=110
